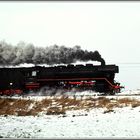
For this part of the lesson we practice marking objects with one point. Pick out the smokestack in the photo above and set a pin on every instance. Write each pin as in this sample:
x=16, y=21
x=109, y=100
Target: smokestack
x=28, y=53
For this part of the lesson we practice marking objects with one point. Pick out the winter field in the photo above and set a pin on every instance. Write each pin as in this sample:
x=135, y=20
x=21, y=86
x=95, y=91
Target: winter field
x=81, y=116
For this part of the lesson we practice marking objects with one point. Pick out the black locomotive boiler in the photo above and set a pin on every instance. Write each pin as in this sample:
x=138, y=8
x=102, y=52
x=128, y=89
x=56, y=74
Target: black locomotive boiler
x=99, y=78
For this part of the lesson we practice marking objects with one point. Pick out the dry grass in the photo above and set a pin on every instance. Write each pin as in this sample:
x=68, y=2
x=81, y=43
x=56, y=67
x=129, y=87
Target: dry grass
x=56, y=106
x=125, y=100
x=102, y=102
x=135, y=104
x=108, y=111
x=129, y=102
x=14, y=106
x=55, y=111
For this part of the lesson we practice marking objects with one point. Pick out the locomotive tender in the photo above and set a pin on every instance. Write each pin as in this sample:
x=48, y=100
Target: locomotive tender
x=99, y=78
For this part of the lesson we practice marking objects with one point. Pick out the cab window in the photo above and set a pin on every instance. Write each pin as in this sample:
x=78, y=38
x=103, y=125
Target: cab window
x=34, y=73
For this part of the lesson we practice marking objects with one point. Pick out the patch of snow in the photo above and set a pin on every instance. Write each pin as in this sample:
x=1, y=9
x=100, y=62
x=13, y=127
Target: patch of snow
x=45, y=65
x=87, y=62
x=31, y=106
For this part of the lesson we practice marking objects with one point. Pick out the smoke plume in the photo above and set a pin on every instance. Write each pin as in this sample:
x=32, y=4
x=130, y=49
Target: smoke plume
x=28, y=53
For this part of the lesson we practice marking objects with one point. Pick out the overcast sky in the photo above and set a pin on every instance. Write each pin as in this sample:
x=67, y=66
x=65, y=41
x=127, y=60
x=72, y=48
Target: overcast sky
x=112, y=28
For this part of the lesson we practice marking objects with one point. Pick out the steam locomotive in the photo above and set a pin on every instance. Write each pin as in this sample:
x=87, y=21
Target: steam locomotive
x=99, y=78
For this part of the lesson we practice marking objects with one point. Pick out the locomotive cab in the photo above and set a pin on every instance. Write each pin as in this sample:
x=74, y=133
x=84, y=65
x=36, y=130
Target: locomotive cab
x=31, y=80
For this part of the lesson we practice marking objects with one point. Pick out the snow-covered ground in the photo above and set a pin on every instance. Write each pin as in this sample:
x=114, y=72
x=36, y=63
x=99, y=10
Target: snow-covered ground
x=93, y=123
x=122, y=123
